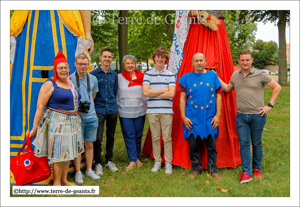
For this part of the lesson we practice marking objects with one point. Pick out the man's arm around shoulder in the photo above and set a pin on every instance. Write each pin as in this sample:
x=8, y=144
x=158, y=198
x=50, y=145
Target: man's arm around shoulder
x=228, y=88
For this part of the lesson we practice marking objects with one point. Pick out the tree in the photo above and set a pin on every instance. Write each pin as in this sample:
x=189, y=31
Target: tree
x=264, y=53
x=104, y=32
x=280, y=18
x=169, y=22
x=123, y=36
x=241, y=31
x=261, y=58
x=148, y=31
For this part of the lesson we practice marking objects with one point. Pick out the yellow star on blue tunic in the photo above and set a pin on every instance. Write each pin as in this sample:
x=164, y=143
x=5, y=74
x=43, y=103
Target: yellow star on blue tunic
x=201, y=88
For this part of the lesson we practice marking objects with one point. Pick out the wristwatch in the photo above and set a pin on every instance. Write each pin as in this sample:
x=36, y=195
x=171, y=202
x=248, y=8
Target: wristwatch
x=270, y=105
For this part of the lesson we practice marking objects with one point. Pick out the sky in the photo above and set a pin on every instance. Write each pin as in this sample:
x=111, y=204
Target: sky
x=269, y=31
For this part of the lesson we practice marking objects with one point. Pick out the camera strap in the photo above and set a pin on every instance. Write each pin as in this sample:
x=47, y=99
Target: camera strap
x=87, y=80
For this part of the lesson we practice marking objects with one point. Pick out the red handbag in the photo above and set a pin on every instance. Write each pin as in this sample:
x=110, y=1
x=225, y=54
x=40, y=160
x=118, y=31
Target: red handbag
x=27, y=168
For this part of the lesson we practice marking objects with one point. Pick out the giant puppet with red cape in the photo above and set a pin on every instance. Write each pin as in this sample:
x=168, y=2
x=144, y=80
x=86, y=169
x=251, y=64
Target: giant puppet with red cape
x=210, y=38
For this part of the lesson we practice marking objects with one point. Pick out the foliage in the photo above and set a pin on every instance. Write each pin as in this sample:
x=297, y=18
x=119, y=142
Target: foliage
x=260, y=59
x=264, y=53
x=265, y=16
x=241, y=31
x=274, y=59
x=148, y=32
x=104, y=32
x=281, y=18
x=271, y=46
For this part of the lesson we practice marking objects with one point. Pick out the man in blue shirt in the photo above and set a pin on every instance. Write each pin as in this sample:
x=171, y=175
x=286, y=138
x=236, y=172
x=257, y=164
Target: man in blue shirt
x=200, y=107
x=86, y=85
x=107, y=109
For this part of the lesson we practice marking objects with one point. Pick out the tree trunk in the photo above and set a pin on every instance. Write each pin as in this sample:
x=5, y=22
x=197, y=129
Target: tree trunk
x=123, y=36
x=170, y=28
x=282, y=77
x=147, y=64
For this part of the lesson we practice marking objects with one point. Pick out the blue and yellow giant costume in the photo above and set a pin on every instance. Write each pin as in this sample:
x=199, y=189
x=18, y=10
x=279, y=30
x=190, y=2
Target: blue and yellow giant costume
x=39, y=36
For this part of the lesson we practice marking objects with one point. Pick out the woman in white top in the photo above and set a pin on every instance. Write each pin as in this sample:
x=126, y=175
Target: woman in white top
x=132, y=109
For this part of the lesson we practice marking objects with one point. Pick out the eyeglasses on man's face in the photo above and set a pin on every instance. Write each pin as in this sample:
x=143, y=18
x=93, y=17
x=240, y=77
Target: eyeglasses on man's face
x=82, y=64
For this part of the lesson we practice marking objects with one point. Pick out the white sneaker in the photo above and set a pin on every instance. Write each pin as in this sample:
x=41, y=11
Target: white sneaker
x=78, y=177
x=92, y=174
x=112, y=166
x=168, y=169
x=99, y=169
x=156, y=167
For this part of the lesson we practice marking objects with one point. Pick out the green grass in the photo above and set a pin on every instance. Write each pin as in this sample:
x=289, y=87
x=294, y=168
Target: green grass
x=140, y=182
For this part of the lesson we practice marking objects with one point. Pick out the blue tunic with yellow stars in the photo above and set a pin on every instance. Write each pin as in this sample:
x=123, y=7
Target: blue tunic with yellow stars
x=201, y=102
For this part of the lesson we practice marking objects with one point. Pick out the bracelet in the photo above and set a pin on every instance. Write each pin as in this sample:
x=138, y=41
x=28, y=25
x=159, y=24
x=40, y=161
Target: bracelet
x=35, y=127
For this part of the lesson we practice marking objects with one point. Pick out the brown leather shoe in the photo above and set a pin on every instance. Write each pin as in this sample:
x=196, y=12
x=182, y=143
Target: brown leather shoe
x=194, y=174
x=217, y=176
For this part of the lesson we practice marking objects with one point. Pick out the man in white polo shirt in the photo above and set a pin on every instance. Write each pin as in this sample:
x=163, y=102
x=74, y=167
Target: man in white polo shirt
x=159, y=86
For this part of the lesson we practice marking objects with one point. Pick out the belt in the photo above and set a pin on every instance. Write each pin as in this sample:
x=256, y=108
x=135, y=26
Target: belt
x=66, y=112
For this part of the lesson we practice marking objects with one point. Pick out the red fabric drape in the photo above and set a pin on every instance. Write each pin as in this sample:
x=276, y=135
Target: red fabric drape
x=215, y=46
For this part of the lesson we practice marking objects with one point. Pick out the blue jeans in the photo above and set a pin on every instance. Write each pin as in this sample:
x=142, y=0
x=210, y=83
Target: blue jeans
x=89, y=129
x=250, y=126
x=132, y=129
